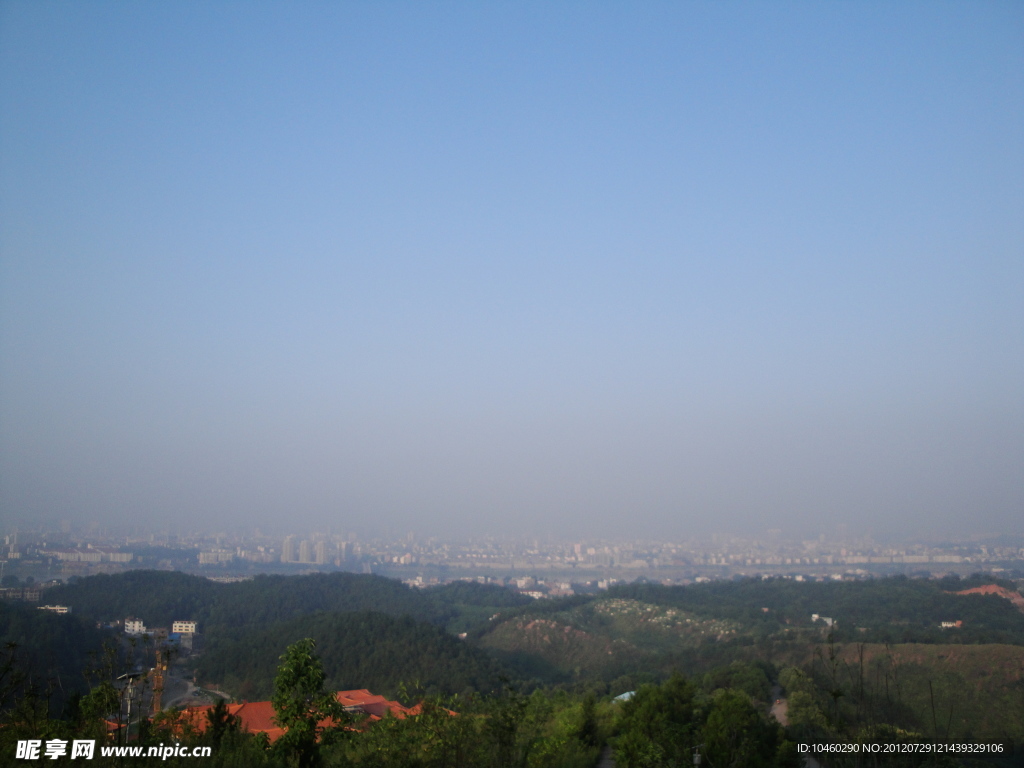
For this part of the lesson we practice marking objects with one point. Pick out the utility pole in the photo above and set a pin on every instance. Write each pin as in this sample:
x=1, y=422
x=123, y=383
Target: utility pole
x=129, y=679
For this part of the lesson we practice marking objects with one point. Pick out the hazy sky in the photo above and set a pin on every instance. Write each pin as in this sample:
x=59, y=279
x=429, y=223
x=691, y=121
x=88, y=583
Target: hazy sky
x=570, y=268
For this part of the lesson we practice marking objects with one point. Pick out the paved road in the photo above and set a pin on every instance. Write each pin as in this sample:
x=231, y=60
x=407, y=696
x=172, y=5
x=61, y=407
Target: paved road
x=179, y=692
x=607, y=758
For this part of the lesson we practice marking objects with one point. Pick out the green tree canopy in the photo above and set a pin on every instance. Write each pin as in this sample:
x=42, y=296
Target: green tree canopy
x=302, y=705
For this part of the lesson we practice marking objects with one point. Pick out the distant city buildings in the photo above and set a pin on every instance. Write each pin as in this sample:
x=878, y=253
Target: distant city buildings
x=49, y=556
x=294, y=550
x=88, y=554
x=288, y=550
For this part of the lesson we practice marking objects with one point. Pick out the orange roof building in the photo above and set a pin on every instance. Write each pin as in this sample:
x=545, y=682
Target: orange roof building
x=373, y=706
x=258, y=716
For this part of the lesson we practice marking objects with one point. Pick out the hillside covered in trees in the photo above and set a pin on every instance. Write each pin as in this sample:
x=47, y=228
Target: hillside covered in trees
x=885, y=650
x=359, y=650
x=161, y=597
x=895, y=609
x=46, y=654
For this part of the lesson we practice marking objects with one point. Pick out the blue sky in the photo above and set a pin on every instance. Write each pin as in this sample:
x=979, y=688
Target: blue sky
x=535, y=268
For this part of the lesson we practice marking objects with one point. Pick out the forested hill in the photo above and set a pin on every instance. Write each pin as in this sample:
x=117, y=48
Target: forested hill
x=472, y=593
x=160, y=597
x=358, y=650
x=45, y=653
x=371, y=632
x=894, y=609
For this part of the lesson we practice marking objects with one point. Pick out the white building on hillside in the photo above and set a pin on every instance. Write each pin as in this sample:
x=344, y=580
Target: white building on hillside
x=134, y=627
x=55, y=608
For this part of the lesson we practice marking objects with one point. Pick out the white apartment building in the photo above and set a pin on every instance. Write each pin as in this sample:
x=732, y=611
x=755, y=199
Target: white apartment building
x=134, y=627
x=184, y=627
x=55, y=608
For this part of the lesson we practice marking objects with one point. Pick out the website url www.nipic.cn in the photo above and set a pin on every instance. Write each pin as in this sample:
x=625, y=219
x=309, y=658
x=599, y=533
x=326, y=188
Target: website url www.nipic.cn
x=85, y=749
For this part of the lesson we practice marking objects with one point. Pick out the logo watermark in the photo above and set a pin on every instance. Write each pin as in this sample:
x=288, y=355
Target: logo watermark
x=85, y=749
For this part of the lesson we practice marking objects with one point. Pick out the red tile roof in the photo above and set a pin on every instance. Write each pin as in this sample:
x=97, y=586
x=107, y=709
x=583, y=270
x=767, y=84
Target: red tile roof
x=258, y=716
x=253, y=716
x=373, y=705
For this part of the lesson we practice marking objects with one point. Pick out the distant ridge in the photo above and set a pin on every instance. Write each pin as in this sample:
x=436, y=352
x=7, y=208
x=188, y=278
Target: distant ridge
x=995, y=589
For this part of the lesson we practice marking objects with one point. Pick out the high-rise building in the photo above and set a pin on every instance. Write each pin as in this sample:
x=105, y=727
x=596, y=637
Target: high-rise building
x=320, y=550
x=305, y=552
x=288, y=550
